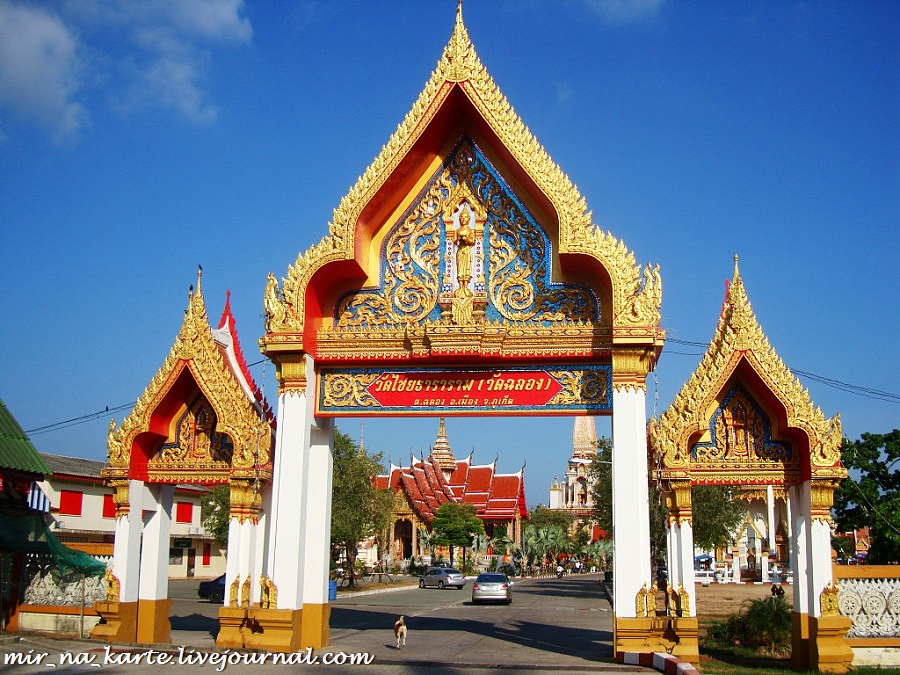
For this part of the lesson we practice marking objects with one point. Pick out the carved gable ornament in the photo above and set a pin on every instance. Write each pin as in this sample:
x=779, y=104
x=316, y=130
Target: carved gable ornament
x=719, y=431
x=463, y=237
x=195, y=422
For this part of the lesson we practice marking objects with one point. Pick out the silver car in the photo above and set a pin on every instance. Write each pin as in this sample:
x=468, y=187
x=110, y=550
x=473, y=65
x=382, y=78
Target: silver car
x=441, y=577
x=492, y=586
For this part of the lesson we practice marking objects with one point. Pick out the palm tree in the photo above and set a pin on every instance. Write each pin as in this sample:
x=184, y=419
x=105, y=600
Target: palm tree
x=426, y=542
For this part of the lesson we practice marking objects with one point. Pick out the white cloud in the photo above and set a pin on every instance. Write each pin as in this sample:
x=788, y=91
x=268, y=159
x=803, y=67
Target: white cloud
x=626, y=11
x=154, y=53
x=40, y=70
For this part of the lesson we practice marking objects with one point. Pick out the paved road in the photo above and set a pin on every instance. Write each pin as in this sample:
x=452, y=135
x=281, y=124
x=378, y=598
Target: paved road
x=552, y=626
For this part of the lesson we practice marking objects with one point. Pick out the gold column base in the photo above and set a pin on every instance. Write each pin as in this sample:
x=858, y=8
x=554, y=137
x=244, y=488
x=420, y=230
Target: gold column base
x=153, y=622
x=315, y=630
x=799, y=641
x=829, y=651
x=275, y=630
x=118, y=622
x=685, y=632
x=641, y=635
x=232, y=624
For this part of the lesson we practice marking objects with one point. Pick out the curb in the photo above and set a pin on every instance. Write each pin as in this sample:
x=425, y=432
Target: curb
x=664, y=663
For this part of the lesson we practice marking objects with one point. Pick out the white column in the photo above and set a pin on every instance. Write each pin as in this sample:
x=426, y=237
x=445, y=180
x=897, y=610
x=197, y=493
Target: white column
x=631, y=511
x=126, y=563
x=770, y=503
x=316, y=520
x=759, y=558
x=154, y=584
x=736, y=566
x=686, y=554
x=798, y=495
x=284, y=554
x=247, y=557
x=673, y=560
x=819, y=562
x=232, y=559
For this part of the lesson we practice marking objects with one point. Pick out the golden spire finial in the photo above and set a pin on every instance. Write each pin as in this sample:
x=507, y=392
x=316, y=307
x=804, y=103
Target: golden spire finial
x=737, y=272
x=441, y=450
x=459, y=53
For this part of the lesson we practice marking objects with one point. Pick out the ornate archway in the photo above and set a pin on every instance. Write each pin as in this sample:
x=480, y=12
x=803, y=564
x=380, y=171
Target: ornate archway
x=461, y=275
x=200, y=421
x=743, y=419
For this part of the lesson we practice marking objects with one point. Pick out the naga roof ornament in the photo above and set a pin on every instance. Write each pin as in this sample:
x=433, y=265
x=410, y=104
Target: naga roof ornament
x=676, y=437
x=231, y=426
x=636, y=294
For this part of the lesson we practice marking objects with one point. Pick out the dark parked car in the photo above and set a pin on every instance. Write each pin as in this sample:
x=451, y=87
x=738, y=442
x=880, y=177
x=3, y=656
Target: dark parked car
x=213, y=589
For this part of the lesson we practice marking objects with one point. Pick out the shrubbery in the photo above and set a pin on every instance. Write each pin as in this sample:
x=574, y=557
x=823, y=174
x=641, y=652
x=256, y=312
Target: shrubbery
x=761, y=624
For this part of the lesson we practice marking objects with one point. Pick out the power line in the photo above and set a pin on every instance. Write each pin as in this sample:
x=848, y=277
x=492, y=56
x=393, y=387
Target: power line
x=858, y=390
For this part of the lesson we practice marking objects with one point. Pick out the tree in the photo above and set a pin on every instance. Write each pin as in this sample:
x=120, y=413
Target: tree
x=870, y=496
x=215, y=512
x=358, y=508
x=716, y=515
x=456, y=524
x=541, y=516
x=600, y=479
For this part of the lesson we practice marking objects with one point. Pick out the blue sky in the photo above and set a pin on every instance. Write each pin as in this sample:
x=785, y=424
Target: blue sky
x=138, y=140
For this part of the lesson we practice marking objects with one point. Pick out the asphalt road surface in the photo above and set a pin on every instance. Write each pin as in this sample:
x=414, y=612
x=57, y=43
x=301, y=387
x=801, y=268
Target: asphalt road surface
x=552, y=625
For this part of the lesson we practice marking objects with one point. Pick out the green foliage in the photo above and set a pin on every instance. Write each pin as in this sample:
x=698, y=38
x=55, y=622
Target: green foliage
x=215, y=510
x=541, y=516
x=763, y=624
x=716, y=515
x=844, y=546
x=455, y=524
x=871, y=494
x=600, y=480
x=358, y=508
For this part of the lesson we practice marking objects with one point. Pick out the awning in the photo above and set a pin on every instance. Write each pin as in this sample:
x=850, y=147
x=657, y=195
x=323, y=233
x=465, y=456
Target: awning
x=28, y=533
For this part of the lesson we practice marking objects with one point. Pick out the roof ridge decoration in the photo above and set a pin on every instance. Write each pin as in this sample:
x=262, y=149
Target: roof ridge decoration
x=739, y=338
x=195, y=350
x=636, y=294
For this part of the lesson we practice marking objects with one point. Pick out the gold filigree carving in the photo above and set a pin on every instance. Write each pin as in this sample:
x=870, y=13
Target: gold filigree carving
x=245, y=592
x=343, y=390
x=640, y=602
x=290, y=371
x=268, y=593
x=739, y=339
x=113, y=585
x=233, y=591
x=245, y=500
x=581, y=387
x=828, y=600
x=684, y=602
x=642, y=307
x=821, y=495
x=276, y=316
x=120, y=495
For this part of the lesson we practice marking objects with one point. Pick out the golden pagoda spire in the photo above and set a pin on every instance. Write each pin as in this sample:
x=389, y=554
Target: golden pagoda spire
x=441, y=450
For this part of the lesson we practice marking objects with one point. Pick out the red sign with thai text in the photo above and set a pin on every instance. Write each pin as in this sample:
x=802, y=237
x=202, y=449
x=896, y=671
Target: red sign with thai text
x=516, y=388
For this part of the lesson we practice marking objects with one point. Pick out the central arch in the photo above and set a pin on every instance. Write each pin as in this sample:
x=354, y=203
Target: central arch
x=461, y=275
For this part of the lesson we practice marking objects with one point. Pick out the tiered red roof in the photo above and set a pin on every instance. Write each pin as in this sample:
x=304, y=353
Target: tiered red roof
x=496, y=497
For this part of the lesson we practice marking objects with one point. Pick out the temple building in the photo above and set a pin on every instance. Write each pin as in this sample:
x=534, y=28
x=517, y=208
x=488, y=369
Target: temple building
x=426, y=484
x=573, y=494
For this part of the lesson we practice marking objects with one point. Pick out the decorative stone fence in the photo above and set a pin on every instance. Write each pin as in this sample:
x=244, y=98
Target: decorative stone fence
x=869, y=595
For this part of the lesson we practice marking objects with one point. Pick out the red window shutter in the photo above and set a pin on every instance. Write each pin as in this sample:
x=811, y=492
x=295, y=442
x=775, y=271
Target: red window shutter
x=109, y=507
x=70, y=502
x=207, y=554
x=184, y=512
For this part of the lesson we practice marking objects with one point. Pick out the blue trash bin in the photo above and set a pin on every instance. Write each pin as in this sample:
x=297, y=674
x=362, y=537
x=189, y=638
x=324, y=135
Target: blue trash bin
x=332, y=591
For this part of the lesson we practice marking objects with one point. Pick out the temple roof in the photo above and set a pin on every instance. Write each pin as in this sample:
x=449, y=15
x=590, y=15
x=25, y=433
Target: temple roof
x=210, y=363
x=740, y=353
x=460, y=98
x=496, y=497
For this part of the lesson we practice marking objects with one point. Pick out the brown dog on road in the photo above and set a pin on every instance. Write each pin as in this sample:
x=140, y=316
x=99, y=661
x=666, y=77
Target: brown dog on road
x=400, y=632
